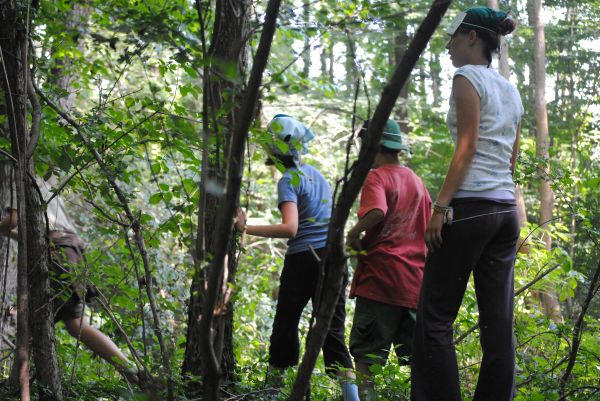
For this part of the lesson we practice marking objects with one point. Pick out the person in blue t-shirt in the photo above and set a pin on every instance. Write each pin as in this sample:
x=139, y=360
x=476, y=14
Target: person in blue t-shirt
x=304, y=199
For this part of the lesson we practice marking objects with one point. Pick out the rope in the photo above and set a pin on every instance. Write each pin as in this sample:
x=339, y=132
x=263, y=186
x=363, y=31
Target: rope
x=481, y=215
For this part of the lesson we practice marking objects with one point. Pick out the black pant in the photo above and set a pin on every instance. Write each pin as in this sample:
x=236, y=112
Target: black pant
x=485, y=245
x=298, y=284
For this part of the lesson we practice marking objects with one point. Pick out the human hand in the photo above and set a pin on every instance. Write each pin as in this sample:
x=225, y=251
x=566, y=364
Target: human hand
x=353, y=241
x=433, y=234
x=240, y=220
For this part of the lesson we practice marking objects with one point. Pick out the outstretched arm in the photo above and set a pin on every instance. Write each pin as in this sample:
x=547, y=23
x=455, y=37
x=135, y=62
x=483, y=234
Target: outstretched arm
x=286, y=229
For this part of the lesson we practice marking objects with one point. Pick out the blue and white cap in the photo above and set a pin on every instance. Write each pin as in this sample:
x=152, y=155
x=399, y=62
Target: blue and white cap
x=290, y=136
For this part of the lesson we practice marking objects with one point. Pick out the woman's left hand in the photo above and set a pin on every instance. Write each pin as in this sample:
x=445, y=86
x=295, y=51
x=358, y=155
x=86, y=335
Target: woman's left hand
x=433, y=234
x=240, y=220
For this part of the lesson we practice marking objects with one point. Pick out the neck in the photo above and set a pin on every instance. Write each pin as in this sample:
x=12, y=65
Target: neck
x=383, y=159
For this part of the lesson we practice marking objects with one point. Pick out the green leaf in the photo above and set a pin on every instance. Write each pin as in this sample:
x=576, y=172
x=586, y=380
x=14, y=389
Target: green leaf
x=155, y=198
x=155, y=168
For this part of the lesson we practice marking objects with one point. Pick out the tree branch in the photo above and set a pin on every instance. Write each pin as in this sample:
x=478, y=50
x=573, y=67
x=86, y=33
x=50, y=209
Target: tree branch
x=578, y=330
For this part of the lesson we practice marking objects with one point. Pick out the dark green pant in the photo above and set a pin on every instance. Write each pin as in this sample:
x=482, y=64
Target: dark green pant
x=376, y=327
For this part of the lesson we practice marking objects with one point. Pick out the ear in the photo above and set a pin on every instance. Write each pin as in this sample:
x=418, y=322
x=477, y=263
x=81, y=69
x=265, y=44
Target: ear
x=472, y=37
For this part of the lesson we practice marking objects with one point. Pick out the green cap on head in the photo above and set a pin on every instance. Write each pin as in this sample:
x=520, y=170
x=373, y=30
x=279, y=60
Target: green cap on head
x=391, y=138
x=485, y=18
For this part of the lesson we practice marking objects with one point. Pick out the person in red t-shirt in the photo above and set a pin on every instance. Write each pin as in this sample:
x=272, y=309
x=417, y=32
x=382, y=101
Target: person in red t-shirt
x=394, y=211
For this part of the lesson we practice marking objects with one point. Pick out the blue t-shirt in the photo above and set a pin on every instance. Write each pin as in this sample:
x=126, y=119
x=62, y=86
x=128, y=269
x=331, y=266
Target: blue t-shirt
x=307, y=188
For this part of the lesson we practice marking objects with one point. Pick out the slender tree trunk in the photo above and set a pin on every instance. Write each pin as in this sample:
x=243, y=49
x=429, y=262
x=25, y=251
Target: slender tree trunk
x=306, y=62
x=503, y=66
x=400, y=44
x=8, y=268
x=33, y=288
x=548, y=299
x=570, y=20
x=64, y=74
x=227, y=49
x=435, y=70
x=335, y=255
x=331, y=56
x=323, y=59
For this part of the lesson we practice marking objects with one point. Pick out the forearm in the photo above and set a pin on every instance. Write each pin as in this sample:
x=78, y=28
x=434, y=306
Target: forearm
x=368, y=221
x=272, y=230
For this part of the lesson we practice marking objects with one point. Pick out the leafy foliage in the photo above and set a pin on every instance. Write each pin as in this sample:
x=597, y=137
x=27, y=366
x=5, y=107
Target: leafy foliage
x=136, y=70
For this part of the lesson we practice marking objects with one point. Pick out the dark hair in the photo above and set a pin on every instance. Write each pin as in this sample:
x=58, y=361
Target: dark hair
x=286, y=160
x=387, y=151
x=491, y=36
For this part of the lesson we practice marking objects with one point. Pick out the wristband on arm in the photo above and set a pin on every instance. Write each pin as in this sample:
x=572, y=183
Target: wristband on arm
x=446, y=211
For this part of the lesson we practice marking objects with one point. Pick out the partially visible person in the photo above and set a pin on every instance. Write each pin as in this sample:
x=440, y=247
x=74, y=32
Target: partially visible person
x=304, y=199
x=394, y=210
x=474, y=226
x=67, y=266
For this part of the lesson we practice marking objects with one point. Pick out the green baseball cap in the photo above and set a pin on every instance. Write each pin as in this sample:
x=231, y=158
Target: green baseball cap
x=392, y=137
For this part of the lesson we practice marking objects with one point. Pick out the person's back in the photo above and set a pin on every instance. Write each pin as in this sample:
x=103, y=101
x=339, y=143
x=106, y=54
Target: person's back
x=306, y=186
x=390, y=268
x=500, y=114
x=394, y=211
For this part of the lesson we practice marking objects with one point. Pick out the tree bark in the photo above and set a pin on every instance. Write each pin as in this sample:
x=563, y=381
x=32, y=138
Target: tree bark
x=306, y=61
x=224, y=228
x=227, y=52
x=8, y=268
x=548, y=298
x=435, y=71
x=400, y=44
x=335, y=255
x=63, y=73
x=33, y=288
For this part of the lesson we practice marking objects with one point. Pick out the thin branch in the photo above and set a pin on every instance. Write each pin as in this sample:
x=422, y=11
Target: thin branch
x=36, y=116
x=517, y=293
x=578, y=329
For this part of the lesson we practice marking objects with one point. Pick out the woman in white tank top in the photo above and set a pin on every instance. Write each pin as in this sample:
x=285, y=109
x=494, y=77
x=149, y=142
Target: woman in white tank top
x=474, y=225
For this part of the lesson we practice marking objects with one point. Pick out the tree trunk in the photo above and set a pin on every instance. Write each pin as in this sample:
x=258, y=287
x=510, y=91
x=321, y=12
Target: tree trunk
x=330, y=54
x=33, y=288
x=307, y=52
x=224, y=228
x=335, y=255
x=63, y=74
x=435, y=70
x=228, y=49
x=548, y=298
x=8, y=267
x=400, y=44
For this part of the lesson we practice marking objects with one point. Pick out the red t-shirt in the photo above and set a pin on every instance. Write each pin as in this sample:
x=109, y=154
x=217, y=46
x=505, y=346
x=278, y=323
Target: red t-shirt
x=391, y=270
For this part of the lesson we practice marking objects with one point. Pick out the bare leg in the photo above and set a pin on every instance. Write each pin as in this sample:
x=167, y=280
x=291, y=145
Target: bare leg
x=97, y=341
x=366, y=387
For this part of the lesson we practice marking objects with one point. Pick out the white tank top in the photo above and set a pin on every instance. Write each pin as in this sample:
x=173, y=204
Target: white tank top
x=500, y=113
